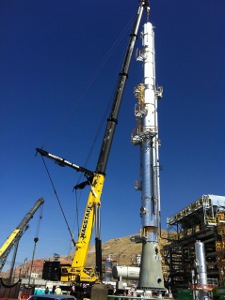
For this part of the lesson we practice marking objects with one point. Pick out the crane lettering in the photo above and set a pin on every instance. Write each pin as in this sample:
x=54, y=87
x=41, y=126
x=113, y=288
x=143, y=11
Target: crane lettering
x=85, y=221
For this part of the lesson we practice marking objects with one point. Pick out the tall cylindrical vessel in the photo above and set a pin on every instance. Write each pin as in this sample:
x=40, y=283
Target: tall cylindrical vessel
x=201, y=270
x=151, y=277
x=200, y=261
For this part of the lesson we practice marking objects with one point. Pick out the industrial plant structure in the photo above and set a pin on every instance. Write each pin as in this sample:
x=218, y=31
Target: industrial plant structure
x=202, y=220
x=191, y=256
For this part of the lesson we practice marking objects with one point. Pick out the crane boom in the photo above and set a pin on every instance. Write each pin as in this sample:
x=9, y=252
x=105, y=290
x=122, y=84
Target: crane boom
x=112, y=120
x=77, y=271
x=17, y=233
x=123, y=75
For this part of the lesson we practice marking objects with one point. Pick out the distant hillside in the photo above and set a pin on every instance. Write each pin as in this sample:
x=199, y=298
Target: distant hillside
x=122, y=249
x=123, y=252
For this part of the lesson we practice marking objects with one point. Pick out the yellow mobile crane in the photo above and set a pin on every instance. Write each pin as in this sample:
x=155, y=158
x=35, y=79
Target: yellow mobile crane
x=77, y=272
x=14, y=237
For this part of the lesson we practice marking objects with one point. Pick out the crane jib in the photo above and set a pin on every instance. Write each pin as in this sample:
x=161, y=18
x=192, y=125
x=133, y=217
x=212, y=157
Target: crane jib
x=63, y=162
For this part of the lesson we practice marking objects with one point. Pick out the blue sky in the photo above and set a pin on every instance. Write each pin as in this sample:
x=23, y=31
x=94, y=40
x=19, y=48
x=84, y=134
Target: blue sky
x=59, y=66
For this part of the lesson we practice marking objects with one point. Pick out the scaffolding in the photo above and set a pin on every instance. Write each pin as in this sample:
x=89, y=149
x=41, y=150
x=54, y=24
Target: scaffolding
x=202, y=220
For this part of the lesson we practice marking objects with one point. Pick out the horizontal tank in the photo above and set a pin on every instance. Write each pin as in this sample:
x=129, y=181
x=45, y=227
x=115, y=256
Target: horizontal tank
x=126, y=272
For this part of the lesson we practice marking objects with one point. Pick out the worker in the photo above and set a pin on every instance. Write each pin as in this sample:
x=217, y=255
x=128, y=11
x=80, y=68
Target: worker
x=58, y=290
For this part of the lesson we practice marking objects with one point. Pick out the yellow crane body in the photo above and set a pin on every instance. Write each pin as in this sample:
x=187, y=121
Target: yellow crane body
x=77, y=271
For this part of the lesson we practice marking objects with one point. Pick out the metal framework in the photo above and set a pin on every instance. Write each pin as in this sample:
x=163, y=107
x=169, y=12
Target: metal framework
x=203, y=220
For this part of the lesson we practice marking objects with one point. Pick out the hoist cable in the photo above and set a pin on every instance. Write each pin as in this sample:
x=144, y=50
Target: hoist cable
x=70, y=111
x=91, y=81
x=76, y=209
x=57, y=198
x=95, y=139
x=39, y=220
x=108, y=55
x=104, y=117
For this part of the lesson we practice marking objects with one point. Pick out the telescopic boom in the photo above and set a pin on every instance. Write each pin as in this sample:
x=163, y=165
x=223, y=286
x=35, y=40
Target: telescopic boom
x=17, y=233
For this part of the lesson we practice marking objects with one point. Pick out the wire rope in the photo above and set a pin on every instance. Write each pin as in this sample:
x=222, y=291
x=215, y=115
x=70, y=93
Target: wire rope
x=69, y=112
x=96, y=137
x=60, y=205
x=98, y=70
x=109, y=103
x=39, y=220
